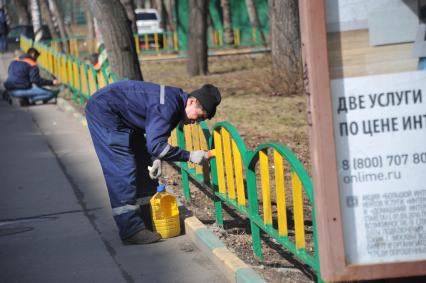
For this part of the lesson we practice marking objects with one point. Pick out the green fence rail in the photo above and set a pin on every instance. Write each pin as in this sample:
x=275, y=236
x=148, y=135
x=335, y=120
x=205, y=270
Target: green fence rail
x=237, y=177
x=241, y=179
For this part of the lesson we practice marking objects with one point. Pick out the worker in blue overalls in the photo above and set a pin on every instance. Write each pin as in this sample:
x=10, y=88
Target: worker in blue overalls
x=24, y=79
x=130, y=123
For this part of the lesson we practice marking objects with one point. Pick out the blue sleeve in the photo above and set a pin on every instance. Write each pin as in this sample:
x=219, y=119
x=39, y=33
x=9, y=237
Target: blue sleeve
x=36, y=79
x=158, y=128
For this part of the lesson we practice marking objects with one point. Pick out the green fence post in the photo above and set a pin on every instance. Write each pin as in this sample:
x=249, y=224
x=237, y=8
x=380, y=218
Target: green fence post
x=183, y=165
x=253, y=203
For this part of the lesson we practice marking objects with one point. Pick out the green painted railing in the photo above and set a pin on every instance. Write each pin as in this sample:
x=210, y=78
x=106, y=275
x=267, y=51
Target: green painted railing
x=240, y=178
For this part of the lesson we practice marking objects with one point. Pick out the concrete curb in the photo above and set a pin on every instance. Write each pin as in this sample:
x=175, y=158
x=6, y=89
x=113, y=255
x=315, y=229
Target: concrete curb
x=234, y=269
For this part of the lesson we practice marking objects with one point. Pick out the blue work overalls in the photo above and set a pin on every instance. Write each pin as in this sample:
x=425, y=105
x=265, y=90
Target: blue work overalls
x=130, y=122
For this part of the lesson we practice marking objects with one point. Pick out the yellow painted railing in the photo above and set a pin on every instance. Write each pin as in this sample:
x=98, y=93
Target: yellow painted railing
x=80, y=77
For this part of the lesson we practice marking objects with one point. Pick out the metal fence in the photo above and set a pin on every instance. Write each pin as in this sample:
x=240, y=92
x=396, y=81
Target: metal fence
x=242, y=179
x=79, y=76
x=238, y=177
x=157, y=43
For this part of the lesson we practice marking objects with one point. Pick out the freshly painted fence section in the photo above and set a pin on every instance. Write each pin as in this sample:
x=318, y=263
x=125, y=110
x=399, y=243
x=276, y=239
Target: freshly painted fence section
x=242, y=179
x=81, y=78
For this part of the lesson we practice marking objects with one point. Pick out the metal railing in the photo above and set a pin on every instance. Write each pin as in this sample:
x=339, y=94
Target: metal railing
x=157, y=43
x=80, y=77
x=241, y=179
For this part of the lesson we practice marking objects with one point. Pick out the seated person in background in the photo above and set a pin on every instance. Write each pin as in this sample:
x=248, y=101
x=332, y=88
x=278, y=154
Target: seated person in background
x=24, y=79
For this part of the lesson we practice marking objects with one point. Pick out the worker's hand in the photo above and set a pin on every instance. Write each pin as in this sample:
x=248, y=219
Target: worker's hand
x=56, y=82
x=198, y=156
x=155, y=169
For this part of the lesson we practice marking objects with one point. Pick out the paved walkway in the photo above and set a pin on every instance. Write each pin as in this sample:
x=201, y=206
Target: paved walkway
x=55, y=220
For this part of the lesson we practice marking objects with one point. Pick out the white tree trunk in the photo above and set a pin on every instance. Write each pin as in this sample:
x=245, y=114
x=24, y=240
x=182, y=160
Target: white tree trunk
x=36, y=19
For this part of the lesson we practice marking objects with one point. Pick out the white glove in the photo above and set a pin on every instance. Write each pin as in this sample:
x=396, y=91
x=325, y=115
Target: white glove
x=198, y=156
x=155, y=169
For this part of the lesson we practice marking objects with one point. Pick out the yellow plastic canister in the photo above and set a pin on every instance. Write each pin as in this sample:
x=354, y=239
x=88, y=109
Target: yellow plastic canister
x=165, y=213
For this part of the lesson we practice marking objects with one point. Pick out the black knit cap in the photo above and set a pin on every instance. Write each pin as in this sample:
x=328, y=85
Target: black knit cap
x=33, y=50
x=209, y=97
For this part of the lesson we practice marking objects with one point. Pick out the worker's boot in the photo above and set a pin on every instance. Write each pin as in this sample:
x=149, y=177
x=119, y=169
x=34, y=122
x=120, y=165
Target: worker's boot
x=142, y=237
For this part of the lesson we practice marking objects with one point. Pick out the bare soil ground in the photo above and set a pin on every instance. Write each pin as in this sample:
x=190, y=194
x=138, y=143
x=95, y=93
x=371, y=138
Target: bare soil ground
x=254, y=102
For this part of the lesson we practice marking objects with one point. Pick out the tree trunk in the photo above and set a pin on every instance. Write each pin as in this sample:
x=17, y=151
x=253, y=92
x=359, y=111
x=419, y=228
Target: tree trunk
x=36, y=20
x=22, y=12
x=228, y=33
x=47, y=17
x=169, y=9
x=118, y=38
x=139, y=4
x=60, y=22
x=159, y=7
x=91, y=34
x=286, y=43
x=90, y=22
x=197, y=38
x=130, y=12
x=254, y=20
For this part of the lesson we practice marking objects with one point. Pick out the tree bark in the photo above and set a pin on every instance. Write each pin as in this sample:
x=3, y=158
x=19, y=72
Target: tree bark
x=90, y=22
x=197, y=38
x=22, y=12
x=228, y=33
x=286, y=42
x=169, y=9
x=118, y=38
x=130, y=12
x=48, y=18
x=254, y=20
x=36, y=19
x=60, y=22
x=159, y=7
x=139, y=4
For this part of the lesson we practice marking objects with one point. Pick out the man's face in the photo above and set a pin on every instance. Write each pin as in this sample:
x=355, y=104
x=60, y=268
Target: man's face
x=194, y=112
x=34, y=56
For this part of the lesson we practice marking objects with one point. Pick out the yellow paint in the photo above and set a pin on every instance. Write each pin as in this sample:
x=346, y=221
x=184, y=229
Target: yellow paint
x=226, y=139
x=219, y=161
x=101, y=80
x=238, y=39
x=157, y=46
x=203, y=141
x=188, y=141
x=280, y=190
x=83, y=81
x=253, y=35
x=266, y=187
x=76, y=75
x=195, y=132
x=175, y=41
x=69, y=72
x=92, y=81
x=146, y=41
x=241, y=197
x=220, y=38
x=173, y=138
x=299, y=228
x=138, y=50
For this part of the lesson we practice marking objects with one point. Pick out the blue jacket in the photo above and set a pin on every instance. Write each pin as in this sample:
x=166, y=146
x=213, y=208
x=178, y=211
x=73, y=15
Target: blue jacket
x=22, y=73
x=134, y=105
